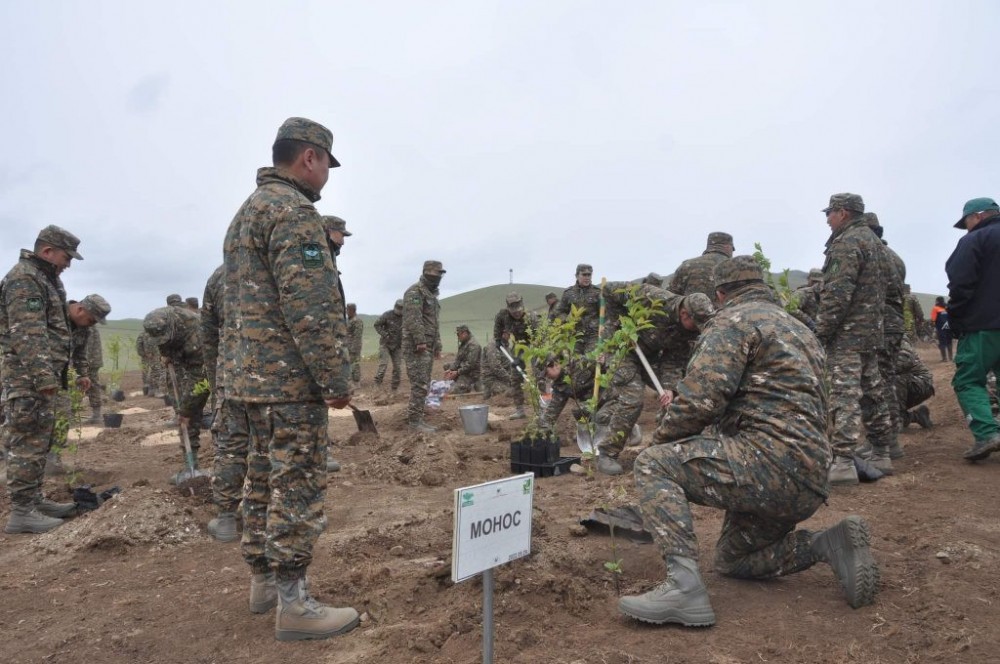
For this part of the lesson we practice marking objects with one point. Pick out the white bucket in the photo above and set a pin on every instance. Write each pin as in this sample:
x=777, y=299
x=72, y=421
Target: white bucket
x=474, y=418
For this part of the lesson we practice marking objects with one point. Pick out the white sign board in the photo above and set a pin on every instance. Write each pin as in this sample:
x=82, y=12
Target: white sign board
x=492, y=525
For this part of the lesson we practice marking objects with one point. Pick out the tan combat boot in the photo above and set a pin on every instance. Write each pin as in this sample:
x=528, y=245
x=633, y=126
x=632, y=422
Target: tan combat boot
x=682, y=598
x=300, y=617
x=263, y=593
x=27, y=519
x=843, y=472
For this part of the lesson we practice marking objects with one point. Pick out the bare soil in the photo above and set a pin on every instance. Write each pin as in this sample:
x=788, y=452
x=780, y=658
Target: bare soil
x=140, y=580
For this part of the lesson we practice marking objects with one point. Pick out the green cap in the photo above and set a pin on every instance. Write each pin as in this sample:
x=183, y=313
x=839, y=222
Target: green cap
x=976, y=205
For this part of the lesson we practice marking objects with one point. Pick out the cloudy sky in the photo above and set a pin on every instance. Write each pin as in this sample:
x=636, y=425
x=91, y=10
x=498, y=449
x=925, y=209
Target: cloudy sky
x=518, y=135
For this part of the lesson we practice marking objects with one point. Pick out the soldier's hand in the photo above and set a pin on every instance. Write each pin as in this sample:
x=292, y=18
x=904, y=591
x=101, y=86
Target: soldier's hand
x=83, y=382
x=338, y=402
x=421, y=348
x=667, y=398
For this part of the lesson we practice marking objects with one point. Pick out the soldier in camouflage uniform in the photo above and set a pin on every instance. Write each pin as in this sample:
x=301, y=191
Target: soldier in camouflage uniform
x=390, y=340
x=511, y=326
x=551, y=300
x=192, y=303
x=667, y=347
x=585, y=295
x=95, y=355
x=175, y=300
x=849, y=325
x=894, y=274
x=286, y=361
x=913, y=314
x=153, y=383
x=496, y=372
x=465, y=370
x=745, y=432
x=695, y=274
x=914, y=386
x=176, y=332
x=421, y=340
x=806, y=298
x=90, y=340
x=355, y=331
x=36, y=344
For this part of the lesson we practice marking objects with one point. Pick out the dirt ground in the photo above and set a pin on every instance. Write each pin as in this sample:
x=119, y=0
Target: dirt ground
x=140, y=580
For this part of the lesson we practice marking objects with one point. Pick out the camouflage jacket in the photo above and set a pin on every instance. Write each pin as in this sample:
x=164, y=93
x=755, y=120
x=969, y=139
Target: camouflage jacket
x=89, y=339
x=421, y=311
x=757, y=379
x=895, y=276
x=390, y=329
x=515, y=328
x=144, y=348
x=695, y=275
x=468, y=359
x=916, y=317
x=284, y=336
x=183, y=350
x=667, y=337
x=852, y=301
x=35, y=337
x=355, y=330
x=807, y=300
x=211, y=328
x=587, y=298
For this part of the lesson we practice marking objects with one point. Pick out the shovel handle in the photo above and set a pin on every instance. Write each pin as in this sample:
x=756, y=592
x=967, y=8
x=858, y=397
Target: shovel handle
x=649, y=370
x=188, y=452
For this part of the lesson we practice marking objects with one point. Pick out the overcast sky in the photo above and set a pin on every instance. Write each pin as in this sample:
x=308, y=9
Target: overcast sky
x=493, y=135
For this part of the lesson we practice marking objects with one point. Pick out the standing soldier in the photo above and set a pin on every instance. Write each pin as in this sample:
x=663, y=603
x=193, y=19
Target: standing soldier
x=286, y=362
x=355, y=330
x=695, y=274
x=35, y=342
x=551, y=299
x=466, y=367
x=421, y=339
x=849, y=325
x=510, y=327
x=914, y=315
x=152, y=367
x=585, y=295
x=390, y=339
x=176, y=332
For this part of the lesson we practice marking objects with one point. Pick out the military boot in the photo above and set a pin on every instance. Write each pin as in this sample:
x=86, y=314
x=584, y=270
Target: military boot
x=881, y=459
x=95, y=417
x=846, y=548
x=904, y=419
x=983, y=448
x=896, y=450
x=27, y=519
x=518, y=414
x=422, y=427
x=922, y=416
x=842, y=472
x=53, y=509
x=332, y=466
x=263, y=593
x=300, y=617
x=682, y=598
x=487, y=392
x=223, y=527
x=608, y=465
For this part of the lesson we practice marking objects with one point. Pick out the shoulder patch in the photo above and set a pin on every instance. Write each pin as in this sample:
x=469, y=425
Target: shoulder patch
x=834, y=267
x=312, y=255
x=34, y=304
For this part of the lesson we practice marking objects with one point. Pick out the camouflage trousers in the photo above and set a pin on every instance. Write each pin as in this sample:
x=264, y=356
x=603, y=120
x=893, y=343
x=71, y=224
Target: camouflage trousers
x=30, y=426
x=582, y=386
x=887, y=372
x=912, y=391
x=356, y=365
x=285, y=485
x=496, y=371
x=621, y=409
x=852, y=374
x=386, y=355
x=154, y=376
x=418, y=371
x=95, y=392
x=186, y=380
x=464, y=385
x=229, y=470
x=758, y=539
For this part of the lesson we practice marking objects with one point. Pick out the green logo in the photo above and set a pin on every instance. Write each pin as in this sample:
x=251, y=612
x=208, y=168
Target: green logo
x=527, y=486
x=34, y=304
x=467, y=498
x=312, y=255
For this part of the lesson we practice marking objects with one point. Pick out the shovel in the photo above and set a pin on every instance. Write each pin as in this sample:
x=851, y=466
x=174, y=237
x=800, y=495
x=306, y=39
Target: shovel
x=364, y=420
x=524, y=376
x=191, y=472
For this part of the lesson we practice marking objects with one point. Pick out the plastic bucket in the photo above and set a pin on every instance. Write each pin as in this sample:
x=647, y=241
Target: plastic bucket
x=474, y=418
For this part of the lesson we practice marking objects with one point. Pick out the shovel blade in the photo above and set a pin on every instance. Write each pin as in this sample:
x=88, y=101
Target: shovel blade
x=364, y=420
x=589, y=442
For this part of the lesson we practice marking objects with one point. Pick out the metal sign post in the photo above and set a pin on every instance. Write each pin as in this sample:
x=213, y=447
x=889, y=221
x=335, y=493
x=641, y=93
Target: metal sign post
x=492, y=527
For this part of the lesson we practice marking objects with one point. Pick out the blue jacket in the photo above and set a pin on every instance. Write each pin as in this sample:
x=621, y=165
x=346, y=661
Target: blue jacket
x=974, y=279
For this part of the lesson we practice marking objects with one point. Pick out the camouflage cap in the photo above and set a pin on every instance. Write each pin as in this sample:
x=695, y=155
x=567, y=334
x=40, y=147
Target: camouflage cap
x=718, y=237
x=462, y=328
x=845, y=202
x=159, y=325
x=398, y=305
x=971, y=207
x=97, y=307
x=583, y=268
x=653, y=279
x=815, y=275
x=191, y=301
x=174, y=300
x=434, y=268
x=737, y=268
x=332, y=223
x=301, y=129
x=515, y=301
x=60, y=237
x=699, y=307
x=352, y=305
x=551, y=296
